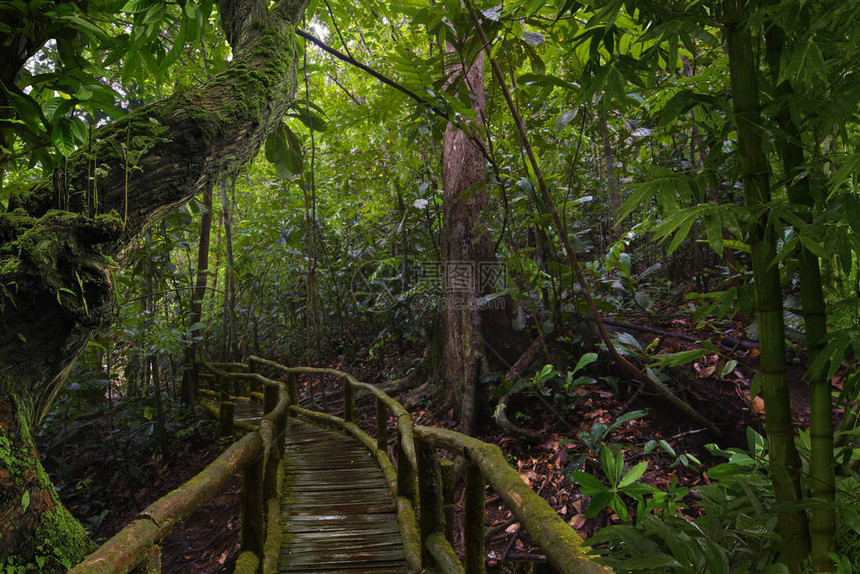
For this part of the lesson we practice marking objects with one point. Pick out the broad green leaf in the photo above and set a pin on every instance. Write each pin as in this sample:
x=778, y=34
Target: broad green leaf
x=584, y=361
x=612, y=461
x=714, y=229
x=62, y=138
x=633, y=475
x=677, y=359
x=589, y=485
x=598, y=502
x=27, y=109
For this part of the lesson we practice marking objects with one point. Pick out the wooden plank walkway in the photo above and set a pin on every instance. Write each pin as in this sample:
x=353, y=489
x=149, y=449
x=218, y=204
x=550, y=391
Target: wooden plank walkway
x=336, y=511
x=337, y=514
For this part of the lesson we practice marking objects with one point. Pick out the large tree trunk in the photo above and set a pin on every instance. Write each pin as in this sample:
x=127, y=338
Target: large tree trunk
x=470, y=335
x=55, y=283
x=465, y=243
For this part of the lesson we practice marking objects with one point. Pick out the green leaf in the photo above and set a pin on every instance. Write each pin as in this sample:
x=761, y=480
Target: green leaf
x=534, y=7
x=678, y=359
x=135, y=6
x=314, y=122
x=755, y=386
x=63, y=138
x=25, y=500
x=598, y=503
x=729, y=367
x=677, y=105
x=584, y=361
x=714, y=229
x=283, y=151
x=612, y=461
x=633, y=475
x=589, y=485
x=27, y=109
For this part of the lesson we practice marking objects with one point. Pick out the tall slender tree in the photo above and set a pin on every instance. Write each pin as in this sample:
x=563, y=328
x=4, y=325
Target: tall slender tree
x=785, y=462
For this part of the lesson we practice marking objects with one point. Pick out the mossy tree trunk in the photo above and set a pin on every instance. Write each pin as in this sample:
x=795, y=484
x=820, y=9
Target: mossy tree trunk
x=464, y=245
x=472, y=337
x=55, y=265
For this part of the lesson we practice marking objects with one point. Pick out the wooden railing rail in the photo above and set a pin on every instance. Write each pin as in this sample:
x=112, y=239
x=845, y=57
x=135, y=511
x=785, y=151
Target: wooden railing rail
x=257, y=455
x=401, y=478
x=427, y=534
x=485, y=462
x=419, y=480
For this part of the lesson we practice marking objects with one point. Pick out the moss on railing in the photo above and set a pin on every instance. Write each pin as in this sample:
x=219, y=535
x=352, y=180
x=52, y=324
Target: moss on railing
x=138, y=542
x=259, y=455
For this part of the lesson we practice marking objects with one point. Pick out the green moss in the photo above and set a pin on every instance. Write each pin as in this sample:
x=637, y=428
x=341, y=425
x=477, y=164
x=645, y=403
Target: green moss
x=57, y=539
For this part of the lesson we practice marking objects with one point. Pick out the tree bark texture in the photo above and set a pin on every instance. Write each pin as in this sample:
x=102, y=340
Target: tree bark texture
x=466, y=247
x=55, y=281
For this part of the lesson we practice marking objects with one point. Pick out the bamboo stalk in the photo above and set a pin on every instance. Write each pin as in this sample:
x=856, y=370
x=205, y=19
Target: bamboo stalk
x=785, y=468
x=822, y=467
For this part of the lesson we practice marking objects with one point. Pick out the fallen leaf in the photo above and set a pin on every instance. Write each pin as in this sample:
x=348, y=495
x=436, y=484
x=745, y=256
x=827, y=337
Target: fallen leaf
x=758, y=405
x=577, y=521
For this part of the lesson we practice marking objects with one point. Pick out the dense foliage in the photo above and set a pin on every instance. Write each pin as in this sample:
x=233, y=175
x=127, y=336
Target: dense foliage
x=677, y=194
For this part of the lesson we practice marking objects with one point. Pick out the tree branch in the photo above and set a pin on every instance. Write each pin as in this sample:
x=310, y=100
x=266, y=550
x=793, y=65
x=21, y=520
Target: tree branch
x=384, y=79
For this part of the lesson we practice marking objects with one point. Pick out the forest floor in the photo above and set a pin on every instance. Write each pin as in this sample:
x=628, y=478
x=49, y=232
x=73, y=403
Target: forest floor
x=204, y=544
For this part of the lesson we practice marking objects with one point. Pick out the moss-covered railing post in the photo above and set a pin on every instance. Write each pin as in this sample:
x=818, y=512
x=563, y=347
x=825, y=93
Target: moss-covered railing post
x=405, y=473
x=251, y=500
x=447, y=469
x=225, y=425
x=293, y=389
x=430, y=519
x=381, y=425
x=474, y=541
x=222, y=385
x=348, y=402
x=254, y=369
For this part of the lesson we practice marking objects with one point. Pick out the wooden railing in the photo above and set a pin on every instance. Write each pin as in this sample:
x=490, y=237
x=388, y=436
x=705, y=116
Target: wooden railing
x=257, y=455
x=416, y=477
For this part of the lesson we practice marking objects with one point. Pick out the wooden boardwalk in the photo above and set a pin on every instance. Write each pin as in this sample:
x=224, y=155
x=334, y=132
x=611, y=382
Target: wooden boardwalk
x=337, y=513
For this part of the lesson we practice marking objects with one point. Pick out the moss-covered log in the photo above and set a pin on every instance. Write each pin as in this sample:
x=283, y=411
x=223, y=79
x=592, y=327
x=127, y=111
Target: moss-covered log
x=55, y=281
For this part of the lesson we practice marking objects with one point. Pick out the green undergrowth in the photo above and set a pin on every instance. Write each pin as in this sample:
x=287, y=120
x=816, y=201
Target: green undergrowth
x=730, y=526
